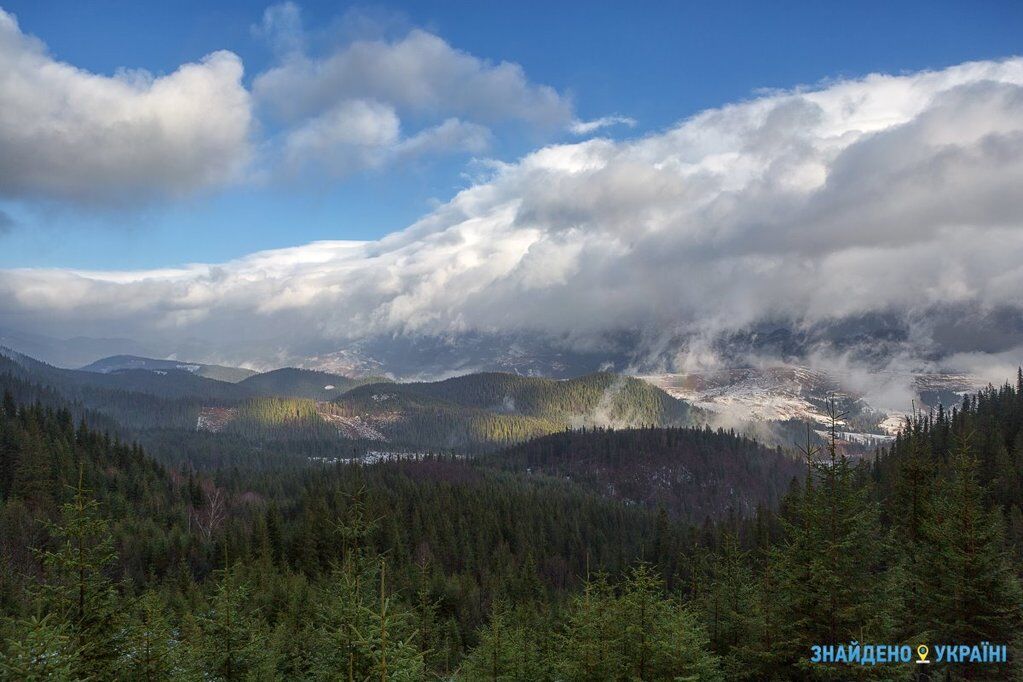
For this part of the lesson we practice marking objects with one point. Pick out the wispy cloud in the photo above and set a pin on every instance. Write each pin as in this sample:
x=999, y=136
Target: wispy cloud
x=586, y=127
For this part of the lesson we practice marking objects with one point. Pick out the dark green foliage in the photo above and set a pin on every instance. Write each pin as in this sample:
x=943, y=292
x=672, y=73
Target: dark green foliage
x=692, y=473
x=280, y=418
x=76, y=591
x=633, y=633
x=423, y=546
x=291, y=382
x=625, y=632
x=833, y=569
x=964, y=585
x=260, y=566
x=39, y=648
x=151, y=650
x=232, y=643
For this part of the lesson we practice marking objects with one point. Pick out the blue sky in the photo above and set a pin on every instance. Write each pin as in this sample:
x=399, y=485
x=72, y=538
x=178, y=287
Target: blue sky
x=656, y=63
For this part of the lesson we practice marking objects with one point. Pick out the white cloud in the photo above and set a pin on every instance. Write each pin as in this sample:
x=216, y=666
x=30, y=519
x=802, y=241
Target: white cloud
x=882, y=195
x=281, y=27
x=451, y=134
x=419, y=73
x=67, y=134
x=73, y=136
x=364, y=134
x=434, y=98
x=355, y=134
x=586, y=127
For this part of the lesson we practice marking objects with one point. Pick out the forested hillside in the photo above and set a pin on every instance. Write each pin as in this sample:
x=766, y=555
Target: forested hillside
x=691, y=473
x=549, y=561
x=115, y=410
x=291, y=382
x=602, y=398
x=169, y=384
x=237, y=563
x=470, y=413
x=499, y=409
x=117, y=363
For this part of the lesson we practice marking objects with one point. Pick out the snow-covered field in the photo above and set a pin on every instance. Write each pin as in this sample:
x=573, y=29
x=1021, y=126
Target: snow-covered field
x=773, y=394
x=786, y=392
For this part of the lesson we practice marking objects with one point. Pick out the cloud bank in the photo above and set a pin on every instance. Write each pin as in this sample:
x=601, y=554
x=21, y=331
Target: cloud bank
x=880, y=196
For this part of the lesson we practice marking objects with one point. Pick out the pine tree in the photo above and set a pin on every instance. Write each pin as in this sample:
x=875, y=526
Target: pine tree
x=728, y=605
x=233, y=640
x=76, y=588
x=39, y=649
x=508, y=650
x=834, y=585
x=151, y=652
x=965, y=587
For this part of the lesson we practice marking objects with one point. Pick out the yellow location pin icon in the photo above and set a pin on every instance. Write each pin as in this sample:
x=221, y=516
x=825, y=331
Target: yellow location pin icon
x=922, y=652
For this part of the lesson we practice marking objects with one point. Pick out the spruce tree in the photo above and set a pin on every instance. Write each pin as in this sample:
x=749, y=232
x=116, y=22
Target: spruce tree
x=39, y=649
x=76, y=589
x=965, y=587
x=151, y=652
x=233, y=642
x=728, y=605
x=508, y=649
x=634, y=632
x=834, y=581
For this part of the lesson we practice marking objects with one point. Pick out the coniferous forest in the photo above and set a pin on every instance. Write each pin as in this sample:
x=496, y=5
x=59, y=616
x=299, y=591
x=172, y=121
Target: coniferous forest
x=460, y=341
x=540, y=562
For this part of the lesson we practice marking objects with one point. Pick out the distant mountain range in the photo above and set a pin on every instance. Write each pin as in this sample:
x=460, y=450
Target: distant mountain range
x=303, y=383
x=69, y=353
x=485, y=408
x=476, y=410
x=119, y=363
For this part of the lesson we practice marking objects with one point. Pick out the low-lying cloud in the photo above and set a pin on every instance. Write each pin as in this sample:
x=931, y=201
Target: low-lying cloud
x=885, y=195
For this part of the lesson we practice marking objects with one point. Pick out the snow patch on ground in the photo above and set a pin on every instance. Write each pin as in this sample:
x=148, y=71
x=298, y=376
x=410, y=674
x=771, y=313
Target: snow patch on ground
x=775, y=394
x=789, y=392
x=868, y=439
x=378, y=456
x=214, y=419
x=351, y=427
